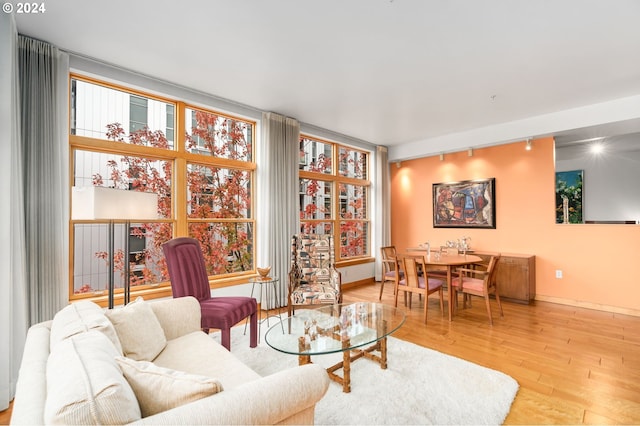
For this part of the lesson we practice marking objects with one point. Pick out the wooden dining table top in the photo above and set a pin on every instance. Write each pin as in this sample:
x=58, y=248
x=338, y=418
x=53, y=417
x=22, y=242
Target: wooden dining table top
x=445, y=259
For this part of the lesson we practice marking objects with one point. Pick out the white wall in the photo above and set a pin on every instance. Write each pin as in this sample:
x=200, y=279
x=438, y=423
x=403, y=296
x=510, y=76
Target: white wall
x=611, y=189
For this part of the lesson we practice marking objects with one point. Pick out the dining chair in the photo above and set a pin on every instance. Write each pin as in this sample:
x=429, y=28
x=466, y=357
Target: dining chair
x=390, y=270
x=418, y=282
x=188, y=275
x=475, y=282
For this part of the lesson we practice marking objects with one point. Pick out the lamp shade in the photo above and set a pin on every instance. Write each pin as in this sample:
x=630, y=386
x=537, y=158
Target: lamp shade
x=97, y=202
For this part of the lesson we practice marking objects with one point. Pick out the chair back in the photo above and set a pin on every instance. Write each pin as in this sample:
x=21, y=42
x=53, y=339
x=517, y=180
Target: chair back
x=312, y=257
x=490, y=278
x=187, y=270
x=389, y=259
x=313, y=278
x=413, y=265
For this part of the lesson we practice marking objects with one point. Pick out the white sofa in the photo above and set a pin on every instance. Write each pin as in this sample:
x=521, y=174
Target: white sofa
x=149, y=363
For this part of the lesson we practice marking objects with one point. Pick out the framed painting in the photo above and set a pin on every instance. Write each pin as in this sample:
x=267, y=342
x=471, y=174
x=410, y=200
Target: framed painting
x=465, y=204
x=569, y=193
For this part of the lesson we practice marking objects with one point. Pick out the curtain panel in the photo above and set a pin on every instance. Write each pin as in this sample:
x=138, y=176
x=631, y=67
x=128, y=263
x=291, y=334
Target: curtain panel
x=34, y=224
x=383, y=207
x=43, y=76
x=277, y=202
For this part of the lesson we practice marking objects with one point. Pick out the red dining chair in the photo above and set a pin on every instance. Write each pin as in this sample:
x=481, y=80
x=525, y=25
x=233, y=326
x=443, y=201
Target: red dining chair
x=188, y=275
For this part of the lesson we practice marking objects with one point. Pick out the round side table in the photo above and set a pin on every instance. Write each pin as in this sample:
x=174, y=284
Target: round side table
x=266, y=286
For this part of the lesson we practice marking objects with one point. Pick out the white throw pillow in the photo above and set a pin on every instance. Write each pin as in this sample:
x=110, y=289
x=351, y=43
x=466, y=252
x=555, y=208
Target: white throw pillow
x=139, y=330
x=80, y=317
x=159, y=389
x=86, y=386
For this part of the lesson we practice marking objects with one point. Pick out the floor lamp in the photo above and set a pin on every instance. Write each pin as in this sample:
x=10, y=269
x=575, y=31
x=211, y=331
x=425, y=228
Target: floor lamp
x=109, y=204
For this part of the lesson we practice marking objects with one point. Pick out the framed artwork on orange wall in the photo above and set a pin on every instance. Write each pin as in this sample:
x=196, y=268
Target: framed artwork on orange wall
x=465, y=204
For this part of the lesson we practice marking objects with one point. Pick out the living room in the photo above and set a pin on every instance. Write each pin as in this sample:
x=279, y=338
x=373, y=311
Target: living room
x=525, y=199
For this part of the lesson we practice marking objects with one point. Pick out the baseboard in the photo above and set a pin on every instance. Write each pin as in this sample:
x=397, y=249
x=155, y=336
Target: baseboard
x=353, y=284
x=589, y=305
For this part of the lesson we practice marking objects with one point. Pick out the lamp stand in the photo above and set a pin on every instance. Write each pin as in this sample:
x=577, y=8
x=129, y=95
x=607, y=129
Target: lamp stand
x=110, y=275
x=127, y=264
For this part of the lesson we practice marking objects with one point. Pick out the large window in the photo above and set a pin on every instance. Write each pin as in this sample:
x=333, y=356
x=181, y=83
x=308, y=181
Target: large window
x=334, y=198
x=200, y=167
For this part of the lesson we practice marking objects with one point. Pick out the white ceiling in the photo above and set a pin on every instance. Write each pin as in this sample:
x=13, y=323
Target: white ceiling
x=390, y=72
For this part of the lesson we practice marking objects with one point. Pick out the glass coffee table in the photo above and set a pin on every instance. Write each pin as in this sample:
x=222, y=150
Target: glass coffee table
x=345, y=328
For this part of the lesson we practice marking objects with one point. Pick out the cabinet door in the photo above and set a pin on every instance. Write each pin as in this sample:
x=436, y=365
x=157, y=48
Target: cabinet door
x=513, y=278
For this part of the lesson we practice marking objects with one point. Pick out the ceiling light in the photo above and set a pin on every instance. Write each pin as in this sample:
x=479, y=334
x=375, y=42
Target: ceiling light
x=470, y=152
x=528, y=147
x=441, y=157
x=597, y=148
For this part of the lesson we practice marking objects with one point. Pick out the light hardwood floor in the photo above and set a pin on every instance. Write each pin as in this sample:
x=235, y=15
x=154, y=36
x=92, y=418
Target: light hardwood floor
x=574, y=365
x=5, y=416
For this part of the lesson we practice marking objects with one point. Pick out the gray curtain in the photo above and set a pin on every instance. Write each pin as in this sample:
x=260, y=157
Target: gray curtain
x=34, y=156
x=13, y=301
x=44, y=98
x=383, y=208
x=277, y=206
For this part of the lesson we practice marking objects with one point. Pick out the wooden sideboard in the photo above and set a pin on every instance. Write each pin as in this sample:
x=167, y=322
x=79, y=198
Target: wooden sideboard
x=515, y=276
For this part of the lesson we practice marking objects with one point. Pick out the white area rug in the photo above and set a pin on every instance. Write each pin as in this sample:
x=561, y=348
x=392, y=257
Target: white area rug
x=419, y=386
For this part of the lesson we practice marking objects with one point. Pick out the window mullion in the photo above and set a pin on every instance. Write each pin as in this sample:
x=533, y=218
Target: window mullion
x=180, y=170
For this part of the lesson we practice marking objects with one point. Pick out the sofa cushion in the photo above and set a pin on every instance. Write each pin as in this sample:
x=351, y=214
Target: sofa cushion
x=139, y=330
x=85, y=384
x=80, y=317
x=206, y=357
x=159, y=389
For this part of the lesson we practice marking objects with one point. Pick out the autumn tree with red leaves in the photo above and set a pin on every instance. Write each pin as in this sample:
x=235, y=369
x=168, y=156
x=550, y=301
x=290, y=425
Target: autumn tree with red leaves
x=218, y=198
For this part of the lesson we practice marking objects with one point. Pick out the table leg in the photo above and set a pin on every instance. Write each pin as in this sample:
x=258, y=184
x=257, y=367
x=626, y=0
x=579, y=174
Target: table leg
x=302, y=346
x=383, y=353
x=346, y=367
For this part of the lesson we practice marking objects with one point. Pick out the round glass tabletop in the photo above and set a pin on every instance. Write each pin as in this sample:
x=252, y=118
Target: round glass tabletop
x=334, y=328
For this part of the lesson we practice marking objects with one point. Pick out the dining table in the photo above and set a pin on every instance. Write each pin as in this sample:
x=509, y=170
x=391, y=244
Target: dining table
x=445, y=261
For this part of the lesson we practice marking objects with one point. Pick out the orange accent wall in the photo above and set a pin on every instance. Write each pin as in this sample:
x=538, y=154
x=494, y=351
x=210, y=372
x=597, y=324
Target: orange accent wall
x=598, y=261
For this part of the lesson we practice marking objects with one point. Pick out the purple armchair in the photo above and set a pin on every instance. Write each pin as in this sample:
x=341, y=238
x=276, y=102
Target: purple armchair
x=188, y=276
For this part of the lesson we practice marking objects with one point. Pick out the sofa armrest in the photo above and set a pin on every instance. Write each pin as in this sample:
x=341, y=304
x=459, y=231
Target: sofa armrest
x=178, y=316
x=269, y=400
x=31, y=389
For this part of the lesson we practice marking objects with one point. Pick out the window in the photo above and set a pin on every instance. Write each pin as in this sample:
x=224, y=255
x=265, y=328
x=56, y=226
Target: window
x=335, y=201
x=126, y=139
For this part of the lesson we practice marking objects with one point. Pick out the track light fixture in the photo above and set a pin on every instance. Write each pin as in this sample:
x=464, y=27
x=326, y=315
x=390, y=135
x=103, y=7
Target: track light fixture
x=529, y=145
x=441, y=157
x=470, y=152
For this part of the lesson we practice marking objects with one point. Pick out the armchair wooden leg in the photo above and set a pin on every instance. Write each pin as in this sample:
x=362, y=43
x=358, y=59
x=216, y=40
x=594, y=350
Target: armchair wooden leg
x=499, y=304
x=426, y=307
x=486, y=300
x=381, y=288
x=253, y=330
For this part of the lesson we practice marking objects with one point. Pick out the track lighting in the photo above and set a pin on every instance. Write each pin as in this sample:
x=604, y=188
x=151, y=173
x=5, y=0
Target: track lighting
x=528, y=147
x=470, y=152
x=441, y=157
